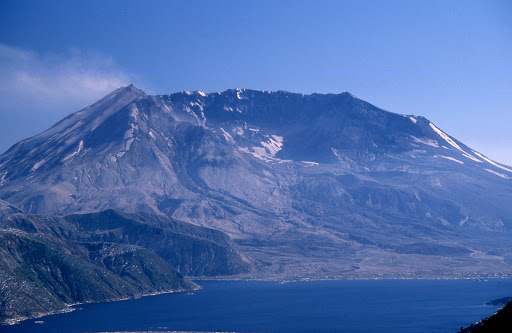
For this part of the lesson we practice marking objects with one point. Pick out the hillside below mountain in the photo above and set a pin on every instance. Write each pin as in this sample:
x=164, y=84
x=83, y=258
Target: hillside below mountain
x=306, y=185
x=48, y=263
x=501, y=321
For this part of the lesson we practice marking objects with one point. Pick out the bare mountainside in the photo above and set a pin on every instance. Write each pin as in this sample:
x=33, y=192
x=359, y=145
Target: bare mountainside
x=305, y=184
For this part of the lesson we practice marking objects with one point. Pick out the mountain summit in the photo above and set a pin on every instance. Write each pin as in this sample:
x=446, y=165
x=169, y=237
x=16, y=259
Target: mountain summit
x=306, y=184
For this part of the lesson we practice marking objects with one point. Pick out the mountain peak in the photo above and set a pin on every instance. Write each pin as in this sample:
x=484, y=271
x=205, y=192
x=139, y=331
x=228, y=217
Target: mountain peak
x=274, y=170
x=350, y=94
x=129, y=89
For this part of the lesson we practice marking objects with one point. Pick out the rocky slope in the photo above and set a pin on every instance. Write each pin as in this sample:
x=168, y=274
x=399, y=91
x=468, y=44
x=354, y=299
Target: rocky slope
x=305, y=184
x=40, y=275
x=501, y=321
x=48, y=263
x=192, y=250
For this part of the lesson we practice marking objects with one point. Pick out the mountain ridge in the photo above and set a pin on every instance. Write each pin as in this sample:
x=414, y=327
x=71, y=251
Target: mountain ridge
x=48, y=263
x=306, y=178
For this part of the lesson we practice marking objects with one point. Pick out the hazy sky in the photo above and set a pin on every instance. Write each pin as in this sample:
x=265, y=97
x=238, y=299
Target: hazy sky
x=450, y=61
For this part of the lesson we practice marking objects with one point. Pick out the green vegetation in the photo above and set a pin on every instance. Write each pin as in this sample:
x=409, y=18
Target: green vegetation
x=48, y=263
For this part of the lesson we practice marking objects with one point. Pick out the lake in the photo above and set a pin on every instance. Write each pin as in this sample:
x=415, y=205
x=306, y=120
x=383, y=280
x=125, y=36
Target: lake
x=310, y=306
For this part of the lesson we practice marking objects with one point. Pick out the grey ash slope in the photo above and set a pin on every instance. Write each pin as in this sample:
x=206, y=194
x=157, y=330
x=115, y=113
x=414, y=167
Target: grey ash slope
x=304, y=183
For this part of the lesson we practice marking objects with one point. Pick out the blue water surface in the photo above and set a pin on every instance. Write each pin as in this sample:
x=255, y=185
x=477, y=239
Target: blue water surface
x=313, y=306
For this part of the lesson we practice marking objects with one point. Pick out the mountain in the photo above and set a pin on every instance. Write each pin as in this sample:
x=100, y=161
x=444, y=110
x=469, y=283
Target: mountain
x=48, y=263
x=501, y=302
x=41, y=275
x=190, y=249
x=501, y=321
x=7, y=209
x=304, y=184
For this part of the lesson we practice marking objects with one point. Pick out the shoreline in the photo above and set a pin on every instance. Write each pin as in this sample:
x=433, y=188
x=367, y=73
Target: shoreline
x=70, y=307
x=350, y=278
x=282, y=280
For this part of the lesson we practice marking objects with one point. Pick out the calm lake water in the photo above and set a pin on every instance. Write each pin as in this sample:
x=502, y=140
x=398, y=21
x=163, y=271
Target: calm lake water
x=317, y=306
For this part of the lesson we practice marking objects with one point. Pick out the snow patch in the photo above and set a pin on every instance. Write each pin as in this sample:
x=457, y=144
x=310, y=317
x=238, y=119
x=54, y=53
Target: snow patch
x=446, y=137
x=257, y=152
x=200, y=106
x=129, y=133
x=452, y=143
x=2, y=180
x=165, y=105
x=238, y=93
x=310, y=163
x=227, y=136
x=492, y=162
x=38, y=165
x=451, y=159
x=471, y=157
x=428, y=142
x=129, y=144
x=498, y=174
x=73, y=154
x=336, y=153
x=268, y=151
x=202, y=93
x=200, y=122
x=135, y=113
x=414, y=120
x=463, y=221
x=273, y=145
x=152, y=135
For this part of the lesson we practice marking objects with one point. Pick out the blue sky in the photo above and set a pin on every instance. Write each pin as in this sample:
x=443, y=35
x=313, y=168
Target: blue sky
x=449, y=61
